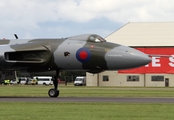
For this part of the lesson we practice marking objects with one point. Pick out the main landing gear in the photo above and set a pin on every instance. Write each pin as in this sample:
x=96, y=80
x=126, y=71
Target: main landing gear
x=54, y=92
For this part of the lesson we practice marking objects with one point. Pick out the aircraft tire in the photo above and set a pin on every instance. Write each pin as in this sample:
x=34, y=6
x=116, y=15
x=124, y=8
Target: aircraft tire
x=53, y=93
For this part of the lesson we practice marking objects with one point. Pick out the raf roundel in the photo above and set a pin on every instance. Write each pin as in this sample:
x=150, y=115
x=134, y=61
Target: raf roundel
x=83, y=55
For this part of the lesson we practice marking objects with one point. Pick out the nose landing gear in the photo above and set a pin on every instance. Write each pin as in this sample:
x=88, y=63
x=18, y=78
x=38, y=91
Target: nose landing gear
x=54, y=92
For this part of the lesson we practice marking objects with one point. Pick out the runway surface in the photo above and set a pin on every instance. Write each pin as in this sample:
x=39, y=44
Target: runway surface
x=87, y=99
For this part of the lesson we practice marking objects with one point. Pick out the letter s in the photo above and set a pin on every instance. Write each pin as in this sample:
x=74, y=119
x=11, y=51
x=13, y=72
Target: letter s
x=171, y=61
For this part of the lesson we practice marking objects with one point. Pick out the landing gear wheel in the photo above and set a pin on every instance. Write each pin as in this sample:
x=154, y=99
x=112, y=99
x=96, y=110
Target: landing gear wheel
x=53, y=93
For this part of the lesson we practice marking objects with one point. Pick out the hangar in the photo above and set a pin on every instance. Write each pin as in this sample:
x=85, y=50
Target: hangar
x=151, y=38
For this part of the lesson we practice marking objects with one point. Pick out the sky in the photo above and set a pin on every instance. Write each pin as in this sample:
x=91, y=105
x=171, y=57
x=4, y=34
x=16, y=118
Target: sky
x=63, y=18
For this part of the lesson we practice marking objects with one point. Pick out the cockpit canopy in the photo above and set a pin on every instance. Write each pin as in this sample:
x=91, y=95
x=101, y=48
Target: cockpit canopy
x=96, y=39
x=89, y=37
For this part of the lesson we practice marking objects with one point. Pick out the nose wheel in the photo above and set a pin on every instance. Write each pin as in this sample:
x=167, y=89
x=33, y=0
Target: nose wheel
x=54, y=92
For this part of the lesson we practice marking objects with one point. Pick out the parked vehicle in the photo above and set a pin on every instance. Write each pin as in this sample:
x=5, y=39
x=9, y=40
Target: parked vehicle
x=21, y=80
x=13, y=82
x=80, y=80
x=43, y=80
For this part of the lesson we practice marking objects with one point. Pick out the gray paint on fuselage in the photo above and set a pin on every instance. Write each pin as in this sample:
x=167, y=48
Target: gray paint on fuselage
x=68, y=62
x=123, y=57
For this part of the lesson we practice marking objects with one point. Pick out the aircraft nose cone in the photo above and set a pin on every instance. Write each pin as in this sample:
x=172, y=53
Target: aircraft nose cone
x=123, y=57
x=134, y=58
x=140, y=58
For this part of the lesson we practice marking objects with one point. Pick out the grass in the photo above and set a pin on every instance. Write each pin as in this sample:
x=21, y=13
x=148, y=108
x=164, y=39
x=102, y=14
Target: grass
x=83, y=91
x=85, y=111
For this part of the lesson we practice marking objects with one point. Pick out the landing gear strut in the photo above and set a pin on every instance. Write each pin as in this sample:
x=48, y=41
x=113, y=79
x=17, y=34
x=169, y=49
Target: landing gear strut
x=54, y=92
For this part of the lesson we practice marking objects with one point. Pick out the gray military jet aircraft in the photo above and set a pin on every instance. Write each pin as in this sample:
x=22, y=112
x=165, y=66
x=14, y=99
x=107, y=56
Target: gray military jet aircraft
x=88, y=52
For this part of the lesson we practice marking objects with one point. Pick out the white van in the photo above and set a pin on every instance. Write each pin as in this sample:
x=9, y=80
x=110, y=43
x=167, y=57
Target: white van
x=44, y=80
x=80, y=80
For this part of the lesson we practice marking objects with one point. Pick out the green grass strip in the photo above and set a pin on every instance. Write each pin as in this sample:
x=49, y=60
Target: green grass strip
x=83, y=91
x=85, y=111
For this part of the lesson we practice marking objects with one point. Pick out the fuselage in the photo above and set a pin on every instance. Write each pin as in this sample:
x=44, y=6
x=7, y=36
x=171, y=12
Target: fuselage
x=88, y=52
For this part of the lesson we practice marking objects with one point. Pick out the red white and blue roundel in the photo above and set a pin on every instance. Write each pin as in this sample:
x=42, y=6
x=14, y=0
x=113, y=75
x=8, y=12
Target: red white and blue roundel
x=83, y=55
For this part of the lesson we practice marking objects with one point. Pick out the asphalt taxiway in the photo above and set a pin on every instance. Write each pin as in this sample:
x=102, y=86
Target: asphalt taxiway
x=87, y=99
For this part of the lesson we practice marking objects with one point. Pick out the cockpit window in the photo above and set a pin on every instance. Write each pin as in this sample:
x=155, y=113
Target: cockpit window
x=92, y=38
x=96, y=38
x=101, y=39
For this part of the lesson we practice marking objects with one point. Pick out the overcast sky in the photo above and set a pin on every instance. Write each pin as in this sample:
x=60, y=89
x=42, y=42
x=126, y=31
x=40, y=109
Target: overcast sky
x=63, y=18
